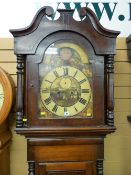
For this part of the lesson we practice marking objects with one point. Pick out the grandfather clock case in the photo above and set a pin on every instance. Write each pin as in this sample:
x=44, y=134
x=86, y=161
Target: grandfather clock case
x=65, y=97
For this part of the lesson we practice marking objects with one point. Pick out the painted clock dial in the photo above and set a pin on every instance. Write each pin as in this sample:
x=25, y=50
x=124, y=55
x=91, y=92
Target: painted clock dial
x=65, y=91
x=65, y=82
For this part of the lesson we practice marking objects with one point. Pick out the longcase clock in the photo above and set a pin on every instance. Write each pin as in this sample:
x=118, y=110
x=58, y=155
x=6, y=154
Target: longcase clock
x=65, y=96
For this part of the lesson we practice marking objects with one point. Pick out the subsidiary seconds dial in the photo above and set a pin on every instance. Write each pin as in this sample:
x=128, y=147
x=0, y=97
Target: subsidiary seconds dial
x=65, y=91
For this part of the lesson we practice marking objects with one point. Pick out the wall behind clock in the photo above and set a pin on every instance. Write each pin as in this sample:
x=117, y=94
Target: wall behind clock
x=117, y=145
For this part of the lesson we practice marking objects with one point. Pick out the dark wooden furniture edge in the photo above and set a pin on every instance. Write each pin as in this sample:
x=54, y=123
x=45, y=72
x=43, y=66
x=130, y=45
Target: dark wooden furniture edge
x=66, y=131
x=65, y=141
x=128, y=41
x=5, y=139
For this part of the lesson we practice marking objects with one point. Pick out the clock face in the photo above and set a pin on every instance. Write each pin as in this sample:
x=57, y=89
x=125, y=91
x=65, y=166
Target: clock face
x=1, y=96
x=6, y=95
x=65, y=91
x=65, y=82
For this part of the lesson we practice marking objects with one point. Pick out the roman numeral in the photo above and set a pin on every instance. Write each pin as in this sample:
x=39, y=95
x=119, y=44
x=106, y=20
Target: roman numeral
x=56, y=74
x=65, y=109
x=85, y=90
x=76, y=109
x=65, y=71
x=82, y=101
x=75, y=74
x=47, y=101
x=82, y=81
x=55, y=108
x=45, y=91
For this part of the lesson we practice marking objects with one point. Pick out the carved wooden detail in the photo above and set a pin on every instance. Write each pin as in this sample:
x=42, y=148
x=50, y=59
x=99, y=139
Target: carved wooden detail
x=110, y=89
x=20, y=72
x=31, y=169
x=100, y=167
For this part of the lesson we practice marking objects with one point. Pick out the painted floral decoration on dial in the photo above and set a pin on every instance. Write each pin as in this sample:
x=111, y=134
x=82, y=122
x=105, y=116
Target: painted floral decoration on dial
x=65, y=82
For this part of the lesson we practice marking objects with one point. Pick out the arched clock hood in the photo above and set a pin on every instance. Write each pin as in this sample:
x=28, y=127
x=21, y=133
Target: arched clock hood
x=41, y=27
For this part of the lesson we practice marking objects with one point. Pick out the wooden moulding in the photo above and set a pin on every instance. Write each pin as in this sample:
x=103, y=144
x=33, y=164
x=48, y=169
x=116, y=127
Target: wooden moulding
x=7, y=84
x=27, y=40
x=66, y=132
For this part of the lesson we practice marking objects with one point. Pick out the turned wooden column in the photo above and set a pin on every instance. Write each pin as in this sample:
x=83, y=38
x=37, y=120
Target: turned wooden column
x=31, y=169
x=100, y=167
x=20, y=71
x=110, y=89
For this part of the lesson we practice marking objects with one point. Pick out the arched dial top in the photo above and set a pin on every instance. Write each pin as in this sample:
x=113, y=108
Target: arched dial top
x=65, y=91
x=65, y=81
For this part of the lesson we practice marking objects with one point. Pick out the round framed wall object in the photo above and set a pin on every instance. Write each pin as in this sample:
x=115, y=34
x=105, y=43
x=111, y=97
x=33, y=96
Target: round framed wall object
x=6, y=95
